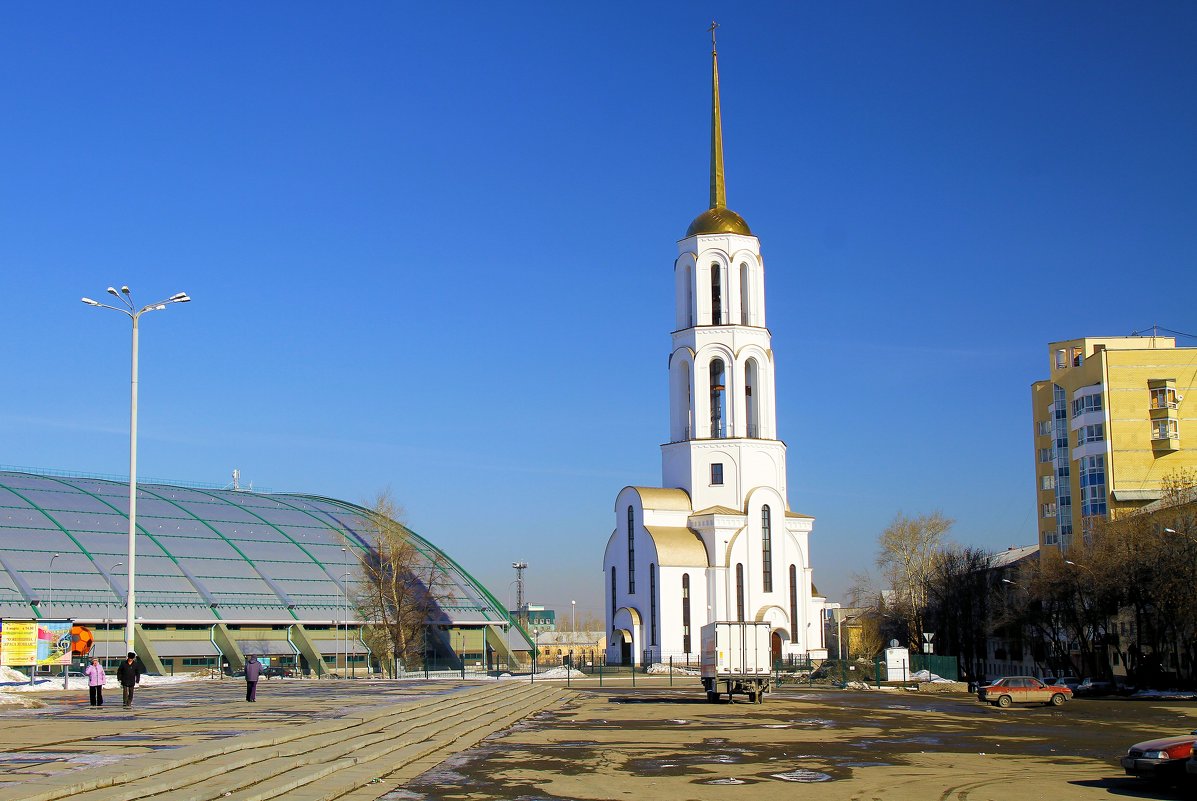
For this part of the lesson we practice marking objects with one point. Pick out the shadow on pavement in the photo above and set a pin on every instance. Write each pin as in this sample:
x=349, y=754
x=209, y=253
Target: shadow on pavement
x=1130, y=787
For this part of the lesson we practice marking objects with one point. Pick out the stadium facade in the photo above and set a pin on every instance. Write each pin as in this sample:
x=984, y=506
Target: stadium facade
x=221, y=575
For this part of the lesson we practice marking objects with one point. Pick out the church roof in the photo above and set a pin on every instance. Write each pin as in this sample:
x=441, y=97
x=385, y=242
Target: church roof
x=678, y=546
x=719, y=510
x=800, y=515
x=718, y=219
x=669, y=500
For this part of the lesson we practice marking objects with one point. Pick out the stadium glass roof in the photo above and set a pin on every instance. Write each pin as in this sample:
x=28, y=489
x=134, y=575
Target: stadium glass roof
x=203, y=555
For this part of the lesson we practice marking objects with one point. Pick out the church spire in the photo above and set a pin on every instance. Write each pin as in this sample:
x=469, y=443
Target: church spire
x=718, y=218
x=718, y=187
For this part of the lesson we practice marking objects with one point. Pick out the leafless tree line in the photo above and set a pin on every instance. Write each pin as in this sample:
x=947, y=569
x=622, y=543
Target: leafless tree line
x=1119, y=601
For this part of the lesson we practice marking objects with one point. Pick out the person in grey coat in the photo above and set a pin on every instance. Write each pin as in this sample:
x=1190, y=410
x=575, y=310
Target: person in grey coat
x=253, y=672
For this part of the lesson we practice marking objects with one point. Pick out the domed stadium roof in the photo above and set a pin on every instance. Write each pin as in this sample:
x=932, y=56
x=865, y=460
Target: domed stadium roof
x=203, y=555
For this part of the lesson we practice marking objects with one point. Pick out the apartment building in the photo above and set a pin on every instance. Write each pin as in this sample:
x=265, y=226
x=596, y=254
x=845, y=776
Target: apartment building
x=1110, y=424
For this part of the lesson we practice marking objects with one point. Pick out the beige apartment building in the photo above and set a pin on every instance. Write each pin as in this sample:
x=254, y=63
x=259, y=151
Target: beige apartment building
x=1116, y=416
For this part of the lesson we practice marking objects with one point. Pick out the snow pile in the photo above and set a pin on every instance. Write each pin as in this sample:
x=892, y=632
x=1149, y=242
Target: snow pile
x=661, y=667
x=926, y=675
x=8, y=699
x=857, y=685
x=8, y=674
x=561, y=673
x=1164, y=695
x=79, y=683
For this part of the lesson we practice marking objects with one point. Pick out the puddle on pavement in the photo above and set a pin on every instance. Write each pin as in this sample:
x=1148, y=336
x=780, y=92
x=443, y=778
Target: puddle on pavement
x=802, y=775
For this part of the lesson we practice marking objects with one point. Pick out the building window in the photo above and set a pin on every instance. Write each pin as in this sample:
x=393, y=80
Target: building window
x=750, y=401
x=718, y=411
x=793, y=603
x=1047, y=482
x=685, y=613
x=745, y=296
x=739, y=591
x=1045, y=455
x=1047, y=510
x=631, y=551
x=717, y=474
x=766, y=549
x=1043, y=428
x=1164, y=429
x=614, y=606
x=1061, y=458
x=1093, y=433
x=1086, y=403
x=716, y=295
x=652, y=603
x=1093, y=485
x=1163, y=398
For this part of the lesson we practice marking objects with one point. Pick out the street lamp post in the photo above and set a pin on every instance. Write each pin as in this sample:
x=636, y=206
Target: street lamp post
x=134, y=314
x=345, y=613
x=108, y=618
x=50, y=593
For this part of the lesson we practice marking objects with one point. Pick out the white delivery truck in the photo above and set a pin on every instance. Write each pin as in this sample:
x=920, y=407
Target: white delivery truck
x=736, y=658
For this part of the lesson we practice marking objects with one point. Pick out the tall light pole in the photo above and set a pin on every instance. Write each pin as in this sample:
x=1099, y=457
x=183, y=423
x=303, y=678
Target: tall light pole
x=134, y=314
x=345, y=613
x=50, y=594
x=108, y=618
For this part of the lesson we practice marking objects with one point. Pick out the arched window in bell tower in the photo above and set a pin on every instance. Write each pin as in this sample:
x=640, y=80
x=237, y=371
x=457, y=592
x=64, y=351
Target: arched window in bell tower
x=745, y=296
x=718, y=399
x=751, y=402
x=688, y=297
x=716, y=295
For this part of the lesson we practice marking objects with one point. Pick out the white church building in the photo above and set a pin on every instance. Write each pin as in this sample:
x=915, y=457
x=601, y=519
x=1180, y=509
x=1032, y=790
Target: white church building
x=719, y=541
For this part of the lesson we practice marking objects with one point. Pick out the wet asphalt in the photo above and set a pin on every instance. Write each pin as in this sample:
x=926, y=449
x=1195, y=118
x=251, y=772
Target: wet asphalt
x=817, y=735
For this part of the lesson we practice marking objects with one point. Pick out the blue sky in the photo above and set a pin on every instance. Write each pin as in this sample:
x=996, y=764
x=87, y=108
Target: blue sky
x=430, y=246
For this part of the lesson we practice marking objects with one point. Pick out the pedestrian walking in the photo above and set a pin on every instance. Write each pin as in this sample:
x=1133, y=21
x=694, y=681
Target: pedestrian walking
x=253, y=672
x=95, y=681
x=128, y=673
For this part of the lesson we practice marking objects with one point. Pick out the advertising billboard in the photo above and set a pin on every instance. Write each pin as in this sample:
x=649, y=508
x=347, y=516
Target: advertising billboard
x=35, y=642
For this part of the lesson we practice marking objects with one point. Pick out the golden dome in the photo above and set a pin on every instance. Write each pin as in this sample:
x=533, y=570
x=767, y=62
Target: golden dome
x=718, y=221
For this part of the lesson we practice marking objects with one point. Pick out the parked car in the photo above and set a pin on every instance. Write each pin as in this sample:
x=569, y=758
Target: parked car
x=1023, y=690
x=278, y=671
x=1071, y=682
x=1163, y=760
x=1089, y=687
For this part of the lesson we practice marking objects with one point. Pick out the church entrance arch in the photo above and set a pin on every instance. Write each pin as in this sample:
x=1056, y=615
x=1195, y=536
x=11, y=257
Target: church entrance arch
x=775, y=643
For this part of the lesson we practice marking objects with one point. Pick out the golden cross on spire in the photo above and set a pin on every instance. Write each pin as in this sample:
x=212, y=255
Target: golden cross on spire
x=714, y=25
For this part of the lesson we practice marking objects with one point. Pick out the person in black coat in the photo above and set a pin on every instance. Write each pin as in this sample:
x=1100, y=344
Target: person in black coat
x=128, y=673
x=253, y=672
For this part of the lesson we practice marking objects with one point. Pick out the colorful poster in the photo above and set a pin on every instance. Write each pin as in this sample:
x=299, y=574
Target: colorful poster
x=18, y=643
x=54, y=642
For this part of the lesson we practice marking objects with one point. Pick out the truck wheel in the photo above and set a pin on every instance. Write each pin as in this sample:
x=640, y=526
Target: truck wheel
x=1058, y=699
x=1004, y=701
x=712, y=697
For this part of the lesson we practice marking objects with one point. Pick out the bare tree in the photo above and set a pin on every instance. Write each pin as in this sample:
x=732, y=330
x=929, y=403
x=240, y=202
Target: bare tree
x=403, y=583
x=959, y=594
x=909, y=549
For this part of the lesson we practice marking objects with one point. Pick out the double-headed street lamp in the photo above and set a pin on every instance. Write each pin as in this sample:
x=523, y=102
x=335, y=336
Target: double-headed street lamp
x=134, y=314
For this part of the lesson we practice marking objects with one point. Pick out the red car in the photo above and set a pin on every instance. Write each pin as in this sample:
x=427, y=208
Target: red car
x=1023, y=690
x=1162, y=760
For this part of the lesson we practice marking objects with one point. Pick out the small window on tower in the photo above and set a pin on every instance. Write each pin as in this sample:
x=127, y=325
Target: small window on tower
x=717, y=473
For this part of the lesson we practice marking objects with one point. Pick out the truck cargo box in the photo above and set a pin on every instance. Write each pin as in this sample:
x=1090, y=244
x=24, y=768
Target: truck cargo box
x=733, y=649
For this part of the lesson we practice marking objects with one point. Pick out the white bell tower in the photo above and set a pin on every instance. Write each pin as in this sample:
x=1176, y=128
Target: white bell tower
x=718, y=540
x=722, y=420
